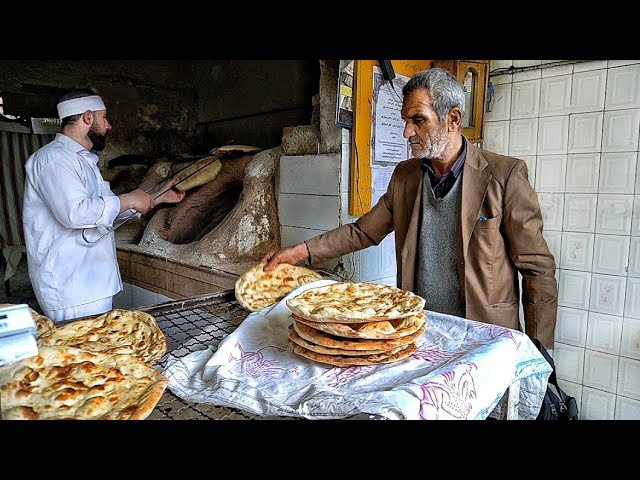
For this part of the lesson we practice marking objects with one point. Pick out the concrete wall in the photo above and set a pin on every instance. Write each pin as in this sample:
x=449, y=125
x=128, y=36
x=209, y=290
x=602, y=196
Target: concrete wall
x=250, y=101
x=166, y=108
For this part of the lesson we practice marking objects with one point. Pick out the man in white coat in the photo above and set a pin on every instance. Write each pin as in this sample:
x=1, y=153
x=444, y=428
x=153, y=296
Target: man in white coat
x=69, y=213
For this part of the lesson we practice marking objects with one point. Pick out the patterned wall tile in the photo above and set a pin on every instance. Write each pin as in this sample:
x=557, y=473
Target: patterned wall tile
x=553, y=134
x=601, y=370
x=569, y=362
x=597, y=405
x=585, y=132
x=627, y=408
x=607, y=294
x=525, y=99
x=552, y=207
x=551, y=173
x=523, y=136
x=635, y=227
x=629, y=378
x=632, y=303
x=611, y=254
x=571, y=326
x=497, y=137
x=580, y=212
x=501, y=104
x=614, y=214
x=587, y=92
x=555, y=95
x=604, y=333
x=583, y=172
x=622, y=88
x=618, y=172
x=620, y=130
x=574, y=289
x=577, y=251
x=634, y=257
x=630, y=345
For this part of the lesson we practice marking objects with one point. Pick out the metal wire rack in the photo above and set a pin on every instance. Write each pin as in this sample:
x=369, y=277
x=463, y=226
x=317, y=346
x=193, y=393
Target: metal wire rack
x=191, y=325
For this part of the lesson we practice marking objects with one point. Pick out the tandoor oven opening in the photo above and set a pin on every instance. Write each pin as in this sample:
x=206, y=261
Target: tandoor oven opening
x=224, y=225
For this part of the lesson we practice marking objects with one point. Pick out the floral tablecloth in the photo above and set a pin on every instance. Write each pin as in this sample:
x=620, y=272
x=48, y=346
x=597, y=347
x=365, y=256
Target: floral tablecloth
x=461, y=370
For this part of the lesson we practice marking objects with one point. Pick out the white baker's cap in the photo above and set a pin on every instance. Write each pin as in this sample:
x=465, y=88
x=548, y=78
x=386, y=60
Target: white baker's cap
x=76, y=106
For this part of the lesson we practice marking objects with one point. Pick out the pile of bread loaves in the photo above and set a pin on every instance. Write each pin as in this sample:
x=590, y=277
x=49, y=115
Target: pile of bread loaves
x=347, y=323
x=97, y=368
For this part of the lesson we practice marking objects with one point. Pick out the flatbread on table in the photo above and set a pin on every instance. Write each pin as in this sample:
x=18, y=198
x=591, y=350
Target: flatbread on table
x=297, y=339
x=354, y=302
x=382, y=329
x=256, y=289
x=331, y=341
x=350, y=361
x=69, y=383
x=130, y=332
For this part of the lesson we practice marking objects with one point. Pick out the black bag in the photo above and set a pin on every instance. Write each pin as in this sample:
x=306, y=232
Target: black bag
x=556, y=405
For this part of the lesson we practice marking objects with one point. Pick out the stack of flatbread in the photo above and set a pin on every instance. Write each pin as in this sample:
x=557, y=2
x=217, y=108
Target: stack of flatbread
x=347, y=323
x=98, y=368
x=256, y=289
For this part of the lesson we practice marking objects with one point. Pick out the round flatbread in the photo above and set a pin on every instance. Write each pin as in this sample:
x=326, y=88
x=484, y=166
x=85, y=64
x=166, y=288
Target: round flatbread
x=320, y=338
x=69, y=383
x=130, y=332
x=353, y=302
x=351, y=361
x=382, y=329
x=198, y=173
x=256, y=289
x=297, y=339
x=44, y=325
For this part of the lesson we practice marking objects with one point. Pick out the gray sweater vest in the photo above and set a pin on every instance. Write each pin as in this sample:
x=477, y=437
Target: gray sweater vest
x=436, y=278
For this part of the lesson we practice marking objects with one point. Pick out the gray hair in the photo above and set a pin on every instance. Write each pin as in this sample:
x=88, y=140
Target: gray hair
x=445, y=91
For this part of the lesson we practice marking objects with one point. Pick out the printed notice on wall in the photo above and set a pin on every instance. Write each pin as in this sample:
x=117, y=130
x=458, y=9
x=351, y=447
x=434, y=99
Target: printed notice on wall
x=388, y=146
x=380, y=178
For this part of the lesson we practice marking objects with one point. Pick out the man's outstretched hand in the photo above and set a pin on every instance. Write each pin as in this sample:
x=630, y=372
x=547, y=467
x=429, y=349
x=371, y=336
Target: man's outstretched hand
x=290, y=255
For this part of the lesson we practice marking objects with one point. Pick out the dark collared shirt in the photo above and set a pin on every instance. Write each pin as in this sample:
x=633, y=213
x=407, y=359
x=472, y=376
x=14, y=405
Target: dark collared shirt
x=442, y=186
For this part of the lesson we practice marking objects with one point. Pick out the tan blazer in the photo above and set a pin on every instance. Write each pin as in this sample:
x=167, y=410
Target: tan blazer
x=490, y=253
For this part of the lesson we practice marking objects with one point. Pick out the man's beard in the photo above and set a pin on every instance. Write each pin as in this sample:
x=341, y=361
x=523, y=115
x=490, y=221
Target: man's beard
x=99, y=141
x=436, y=147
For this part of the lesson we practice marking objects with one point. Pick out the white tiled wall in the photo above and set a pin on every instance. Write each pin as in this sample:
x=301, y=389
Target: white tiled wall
x=578, y=128
x=314, y=198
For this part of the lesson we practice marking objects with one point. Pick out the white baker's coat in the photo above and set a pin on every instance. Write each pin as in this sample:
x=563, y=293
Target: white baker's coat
x=64, y=194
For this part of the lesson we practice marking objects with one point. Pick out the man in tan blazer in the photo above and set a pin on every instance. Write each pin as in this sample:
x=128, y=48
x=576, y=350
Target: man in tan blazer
x=466, y=221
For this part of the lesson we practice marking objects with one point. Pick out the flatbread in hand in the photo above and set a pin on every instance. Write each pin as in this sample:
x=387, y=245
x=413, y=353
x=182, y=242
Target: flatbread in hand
x=69, y=383
x=256, y=289
x=129, y=332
